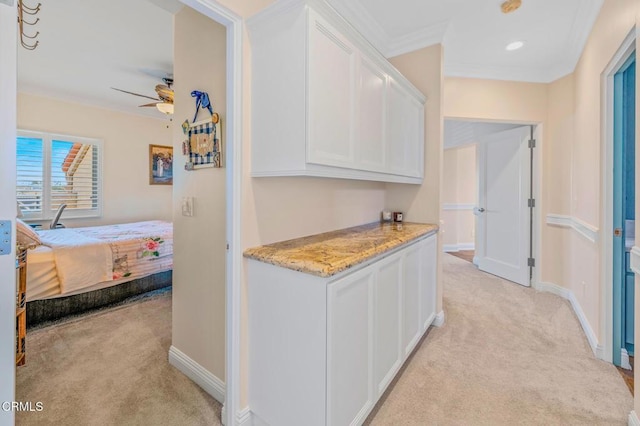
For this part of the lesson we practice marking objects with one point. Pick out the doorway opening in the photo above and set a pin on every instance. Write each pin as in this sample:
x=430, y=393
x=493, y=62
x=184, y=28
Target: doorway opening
x=230, y=249
x=623, y=211
x=489, y=196
x=618, y=216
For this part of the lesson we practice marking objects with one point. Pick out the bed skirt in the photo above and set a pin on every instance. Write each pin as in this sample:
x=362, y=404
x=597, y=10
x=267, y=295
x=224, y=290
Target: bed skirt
x=41, y=311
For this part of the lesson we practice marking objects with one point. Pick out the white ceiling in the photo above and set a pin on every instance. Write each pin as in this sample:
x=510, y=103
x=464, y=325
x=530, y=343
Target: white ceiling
x=86, y=46
x=459, y=133
x=475, y=32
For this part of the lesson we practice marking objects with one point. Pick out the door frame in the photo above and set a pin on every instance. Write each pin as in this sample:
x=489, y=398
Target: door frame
x=627, y=47
x=8, y=107
x=231, y=409
x=538, y=133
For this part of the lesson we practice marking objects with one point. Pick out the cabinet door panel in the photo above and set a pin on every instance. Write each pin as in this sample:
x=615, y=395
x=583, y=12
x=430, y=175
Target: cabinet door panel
x=428, y=254
x=387, y=313
x=405, y=133
x=349, y=351
x=411, y=298
x=371, y=125
x=331, y=71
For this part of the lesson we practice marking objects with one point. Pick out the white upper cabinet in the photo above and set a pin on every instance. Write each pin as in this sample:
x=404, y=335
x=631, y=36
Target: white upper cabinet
x=326, y=103
x=331, y=80
x=372, y=117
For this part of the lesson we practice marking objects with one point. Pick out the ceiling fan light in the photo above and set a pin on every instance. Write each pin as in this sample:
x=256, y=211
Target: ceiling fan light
x=165, y=107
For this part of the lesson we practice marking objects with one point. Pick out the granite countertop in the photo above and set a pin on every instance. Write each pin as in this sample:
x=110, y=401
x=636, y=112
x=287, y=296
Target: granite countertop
x=327, y=254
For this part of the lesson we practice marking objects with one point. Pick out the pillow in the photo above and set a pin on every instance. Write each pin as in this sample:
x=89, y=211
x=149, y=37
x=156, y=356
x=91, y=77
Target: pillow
x=25, y=234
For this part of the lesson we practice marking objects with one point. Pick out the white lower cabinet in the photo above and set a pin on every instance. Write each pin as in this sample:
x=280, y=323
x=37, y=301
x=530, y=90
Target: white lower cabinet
x=323, y=350
x=387, y=319
x=350, y=347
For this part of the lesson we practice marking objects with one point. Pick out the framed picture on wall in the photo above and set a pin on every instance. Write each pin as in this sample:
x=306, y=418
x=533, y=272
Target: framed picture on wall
x=160, y=165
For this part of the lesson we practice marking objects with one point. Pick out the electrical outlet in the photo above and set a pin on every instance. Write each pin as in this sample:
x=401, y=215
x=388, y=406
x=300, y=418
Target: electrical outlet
x=187, y=206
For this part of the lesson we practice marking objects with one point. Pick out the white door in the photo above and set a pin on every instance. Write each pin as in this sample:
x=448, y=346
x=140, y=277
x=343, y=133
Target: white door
x=503, y=213
x=8, y=44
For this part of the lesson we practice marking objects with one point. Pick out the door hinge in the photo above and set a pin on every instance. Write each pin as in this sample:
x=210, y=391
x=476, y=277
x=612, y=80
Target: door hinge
x=532, y=143
x=531, y=262
x=227, y=246
x=531, y=202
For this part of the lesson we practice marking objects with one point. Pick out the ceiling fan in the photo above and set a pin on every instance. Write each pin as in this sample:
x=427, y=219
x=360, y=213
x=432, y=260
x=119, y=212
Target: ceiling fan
x=164, y=101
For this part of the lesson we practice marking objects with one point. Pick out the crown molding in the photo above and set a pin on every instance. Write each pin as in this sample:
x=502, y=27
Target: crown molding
x=493, y=72
x=583, y=23
x=54, y=95
x=427, y=36
x=359, y=17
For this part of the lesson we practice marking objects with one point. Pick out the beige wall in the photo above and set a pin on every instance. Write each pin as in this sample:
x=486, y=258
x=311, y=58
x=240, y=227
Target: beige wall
x=127, y=195
x=199, y=241
x=459, y=190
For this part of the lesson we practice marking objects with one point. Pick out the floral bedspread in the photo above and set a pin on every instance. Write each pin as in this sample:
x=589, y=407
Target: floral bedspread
x=139, y=249
x=132, y=250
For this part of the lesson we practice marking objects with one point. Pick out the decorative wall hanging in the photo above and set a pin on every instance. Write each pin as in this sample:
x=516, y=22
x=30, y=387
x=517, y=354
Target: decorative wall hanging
x=160, y=165
x=203, y=145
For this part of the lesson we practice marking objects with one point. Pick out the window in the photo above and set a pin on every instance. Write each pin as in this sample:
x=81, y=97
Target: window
x=55, y=169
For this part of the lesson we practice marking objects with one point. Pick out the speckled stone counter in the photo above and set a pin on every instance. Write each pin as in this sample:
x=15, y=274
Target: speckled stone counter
x=327, y=254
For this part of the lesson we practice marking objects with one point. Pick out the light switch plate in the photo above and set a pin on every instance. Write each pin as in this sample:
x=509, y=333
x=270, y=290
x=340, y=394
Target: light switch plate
x=187, y=206
x=7, y=2
x=5, y=237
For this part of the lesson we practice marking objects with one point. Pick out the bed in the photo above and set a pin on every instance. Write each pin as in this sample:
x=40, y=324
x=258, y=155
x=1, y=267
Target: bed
x=78, y=269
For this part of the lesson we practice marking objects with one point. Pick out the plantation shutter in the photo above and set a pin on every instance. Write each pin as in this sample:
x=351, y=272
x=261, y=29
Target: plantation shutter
x=30, y=175
x=74, y=176
x=54, y=170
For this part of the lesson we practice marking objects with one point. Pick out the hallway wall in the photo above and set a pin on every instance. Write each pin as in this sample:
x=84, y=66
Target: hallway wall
x=570, y=110
x=459, y=193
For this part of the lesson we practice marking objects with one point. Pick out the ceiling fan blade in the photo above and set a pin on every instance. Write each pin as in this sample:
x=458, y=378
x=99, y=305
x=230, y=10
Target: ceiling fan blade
x=136, y=94
x=149, y=105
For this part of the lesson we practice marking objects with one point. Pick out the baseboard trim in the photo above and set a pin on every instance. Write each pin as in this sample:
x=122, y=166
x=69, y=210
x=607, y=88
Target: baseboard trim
x=244, y=418
x=633, y=419
x=439, y=320
x=624, y=359
x=200, y=375
x=565, y=293
x=457, y=247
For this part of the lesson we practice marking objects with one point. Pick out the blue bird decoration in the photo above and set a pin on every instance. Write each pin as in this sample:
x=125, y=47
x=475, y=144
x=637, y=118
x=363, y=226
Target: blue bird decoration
x=202, y=101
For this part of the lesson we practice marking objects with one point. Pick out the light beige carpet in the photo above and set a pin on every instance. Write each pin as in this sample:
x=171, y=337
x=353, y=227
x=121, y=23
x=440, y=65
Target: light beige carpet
x=111, y=368
x=507, y=355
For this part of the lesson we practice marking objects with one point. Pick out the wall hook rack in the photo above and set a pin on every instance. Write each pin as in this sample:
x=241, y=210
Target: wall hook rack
x=25, y=39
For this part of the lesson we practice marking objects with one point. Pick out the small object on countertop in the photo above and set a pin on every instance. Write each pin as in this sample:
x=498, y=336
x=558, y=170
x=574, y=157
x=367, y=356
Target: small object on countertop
x=386, y=216
x=397, y=216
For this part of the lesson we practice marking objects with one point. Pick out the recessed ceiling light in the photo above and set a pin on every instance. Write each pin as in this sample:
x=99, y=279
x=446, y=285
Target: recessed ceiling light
x=514, y=45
